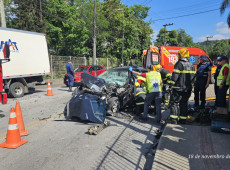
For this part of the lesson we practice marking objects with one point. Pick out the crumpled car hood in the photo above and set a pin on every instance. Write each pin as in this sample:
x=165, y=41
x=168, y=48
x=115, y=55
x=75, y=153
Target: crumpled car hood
x=94, y=83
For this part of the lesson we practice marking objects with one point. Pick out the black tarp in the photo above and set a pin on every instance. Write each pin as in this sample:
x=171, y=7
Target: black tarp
x=87, y=107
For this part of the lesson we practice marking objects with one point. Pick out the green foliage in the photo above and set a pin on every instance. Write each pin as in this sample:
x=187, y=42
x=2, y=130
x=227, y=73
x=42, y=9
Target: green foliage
x=220, y=48
x=69, y=26
x=174, y=38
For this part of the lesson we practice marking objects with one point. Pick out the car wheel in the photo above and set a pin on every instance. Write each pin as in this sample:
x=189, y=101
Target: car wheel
x=16, y=90
x=113, y=105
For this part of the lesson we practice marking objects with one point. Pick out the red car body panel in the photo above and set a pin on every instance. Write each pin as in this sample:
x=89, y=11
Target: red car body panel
x=90, y=68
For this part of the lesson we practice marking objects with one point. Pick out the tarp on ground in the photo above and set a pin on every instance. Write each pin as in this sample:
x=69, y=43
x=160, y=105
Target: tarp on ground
x=87, y=107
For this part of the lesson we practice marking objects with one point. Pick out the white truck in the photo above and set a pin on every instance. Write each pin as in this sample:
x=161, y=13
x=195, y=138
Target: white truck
x=28, y=63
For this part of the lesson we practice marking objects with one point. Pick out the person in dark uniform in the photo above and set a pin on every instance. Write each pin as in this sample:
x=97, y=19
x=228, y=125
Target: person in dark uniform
x=70, y=75
x=203, y=76
x=182, y=77
x=218, y=60
x=166, y=78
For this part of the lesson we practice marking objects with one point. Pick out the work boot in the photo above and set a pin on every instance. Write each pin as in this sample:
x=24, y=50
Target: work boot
x=174, y=121
x=70, y=89
x=182, y=121
x=143, y=118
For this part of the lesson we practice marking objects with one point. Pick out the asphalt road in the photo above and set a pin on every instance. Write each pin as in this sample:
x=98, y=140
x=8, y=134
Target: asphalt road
x=54, y=143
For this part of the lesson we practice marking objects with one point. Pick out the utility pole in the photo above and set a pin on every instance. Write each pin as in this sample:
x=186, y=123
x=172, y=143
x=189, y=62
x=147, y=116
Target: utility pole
x=3, y=18
x=122, y=57
x=94, y=32
x=165, y=31
x=207, y=43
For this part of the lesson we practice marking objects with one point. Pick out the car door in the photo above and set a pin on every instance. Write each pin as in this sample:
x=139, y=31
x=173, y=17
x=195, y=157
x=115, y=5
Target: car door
x=92, y=70
x=99, y=70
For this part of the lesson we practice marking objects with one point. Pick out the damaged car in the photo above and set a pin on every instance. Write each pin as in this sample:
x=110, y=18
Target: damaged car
x=110, y=92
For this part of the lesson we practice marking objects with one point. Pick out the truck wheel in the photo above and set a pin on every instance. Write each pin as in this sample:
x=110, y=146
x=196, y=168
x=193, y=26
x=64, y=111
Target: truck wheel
x=16, y=90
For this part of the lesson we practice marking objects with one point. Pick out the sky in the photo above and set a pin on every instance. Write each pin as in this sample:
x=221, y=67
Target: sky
x=207, y=22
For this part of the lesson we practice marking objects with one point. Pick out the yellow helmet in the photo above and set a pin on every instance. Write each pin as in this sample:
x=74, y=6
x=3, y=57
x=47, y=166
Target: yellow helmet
x=157, y=67
x=183, y=52
x=137, y=84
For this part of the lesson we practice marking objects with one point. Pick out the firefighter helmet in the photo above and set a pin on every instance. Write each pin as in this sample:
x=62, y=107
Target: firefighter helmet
x=183, y=52
x=137, y=84
x=157, y=67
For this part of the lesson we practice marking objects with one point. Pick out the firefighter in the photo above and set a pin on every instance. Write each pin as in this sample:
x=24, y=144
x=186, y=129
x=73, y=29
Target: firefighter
x=139, y=98
x=223, y=81
x=70, y=75
x=182, y=77
x=154, y=89
x=218, y=60
x=203, y=76
x=166, y=78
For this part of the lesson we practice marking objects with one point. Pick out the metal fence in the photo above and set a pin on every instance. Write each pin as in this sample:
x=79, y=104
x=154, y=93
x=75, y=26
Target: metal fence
x=58, y=63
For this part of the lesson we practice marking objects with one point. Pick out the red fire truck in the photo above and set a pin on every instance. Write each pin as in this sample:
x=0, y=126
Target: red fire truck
x=166, y=56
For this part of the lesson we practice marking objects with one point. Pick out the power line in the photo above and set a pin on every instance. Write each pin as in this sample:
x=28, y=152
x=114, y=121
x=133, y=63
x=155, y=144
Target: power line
x=160, y=19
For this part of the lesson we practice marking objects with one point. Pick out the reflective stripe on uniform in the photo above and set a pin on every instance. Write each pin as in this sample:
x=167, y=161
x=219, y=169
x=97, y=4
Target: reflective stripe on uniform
x=174, y=116
x=183, y=117
x=140, y=103
x=176, y=71
x=184, y=71
x=141, y=92
x=169, y=74
x=175, y=87
x=170, y=81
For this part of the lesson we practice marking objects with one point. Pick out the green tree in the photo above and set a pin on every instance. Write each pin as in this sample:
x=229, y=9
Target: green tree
x=69, y=26
x=220, y=48
x=223, y=6
x=163, y=35
x=184, y=39
x=26, y=15
x=170, y=37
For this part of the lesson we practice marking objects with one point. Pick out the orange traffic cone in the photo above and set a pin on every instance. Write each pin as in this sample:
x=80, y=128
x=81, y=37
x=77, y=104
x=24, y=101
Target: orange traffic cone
x=13, y=139
x=49, y=90
x=22, y=130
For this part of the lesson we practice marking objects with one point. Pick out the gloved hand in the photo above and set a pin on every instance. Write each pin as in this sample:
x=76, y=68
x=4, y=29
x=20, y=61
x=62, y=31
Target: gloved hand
x=130, y=68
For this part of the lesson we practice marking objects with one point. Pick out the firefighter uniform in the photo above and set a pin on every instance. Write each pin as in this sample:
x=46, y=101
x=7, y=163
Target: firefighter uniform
x=223, y=86
x=202, y=79
x=182, y=77
x=166, y=78
x=140, y=95
x=140, y=100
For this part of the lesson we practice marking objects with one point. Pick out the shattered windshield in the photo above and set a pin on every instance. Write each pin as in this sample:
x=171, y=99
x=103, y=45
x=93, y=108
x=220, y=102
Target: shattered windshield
x=115, y=76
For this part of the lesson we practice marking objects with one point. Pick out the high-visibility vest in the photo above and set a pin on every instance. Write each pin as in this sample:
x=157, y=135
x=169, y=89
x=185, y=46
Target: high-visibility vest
x=220, y=76
x=153, y=81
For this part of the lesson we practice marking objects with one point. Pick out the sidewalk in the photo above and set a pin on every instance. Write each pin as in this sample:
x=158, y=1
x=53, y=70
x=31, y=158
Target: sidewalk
x=192, y=147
